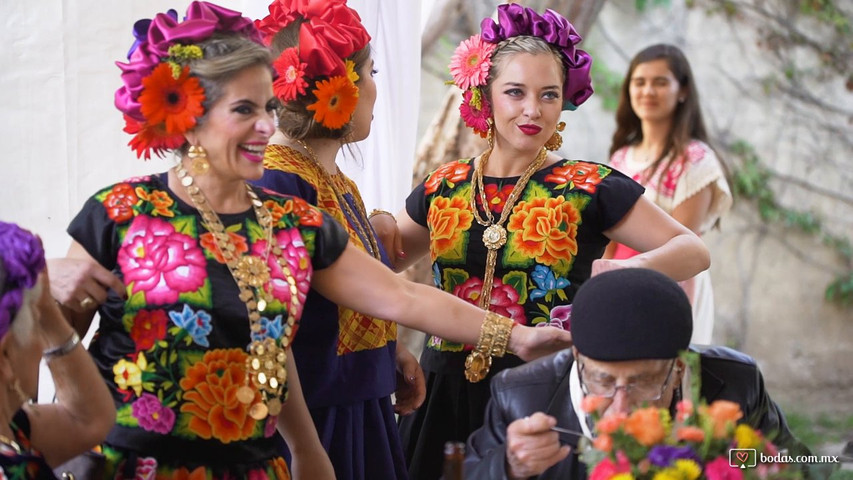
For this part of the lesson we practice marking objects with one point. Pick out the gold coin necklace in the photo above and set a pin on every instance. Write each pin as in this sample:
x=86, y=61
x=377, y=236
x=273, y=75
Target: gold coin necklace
x=266, y=361
x=495, y=236
x=359, y=221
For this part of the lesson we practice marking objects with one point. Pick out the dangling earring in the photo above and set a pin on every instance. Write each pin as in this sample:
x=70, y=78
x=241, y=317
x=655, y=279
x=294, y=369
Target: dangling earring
x=556, y=140
x=490, y=134
x=198, y=156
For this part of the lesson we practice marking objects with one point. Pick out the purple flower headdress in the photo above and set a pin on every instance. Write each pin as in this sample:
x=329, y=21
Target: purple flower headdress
x=473, y=58
x=21, y=262
x=172, y=106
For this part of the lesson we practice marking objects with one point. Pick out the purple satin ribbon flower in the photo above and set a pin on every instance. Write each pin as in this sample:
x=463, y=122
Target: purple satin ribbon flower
x=22, y=259
x=515, y=20
x=203, y=19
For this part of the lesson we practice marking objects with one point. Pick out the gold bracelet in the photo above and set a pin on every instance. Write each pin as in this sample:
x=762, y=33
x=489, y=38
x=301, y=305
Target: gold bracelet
x=503, y=329
x=494, y=329
x=377, y=211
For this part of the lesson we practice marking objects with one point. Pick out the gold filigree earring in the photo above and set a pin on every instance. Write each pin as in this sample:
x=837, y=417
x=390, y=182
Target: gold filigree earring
x=198, y=160
x=556, y=140
x=490, y=134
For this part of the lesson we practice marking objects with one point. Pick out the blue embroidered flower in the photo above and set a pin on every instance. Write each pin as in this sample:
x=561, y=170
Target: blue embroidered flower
x=546, y=282
x=269, y=329
x=197, y=324
x=436, y=275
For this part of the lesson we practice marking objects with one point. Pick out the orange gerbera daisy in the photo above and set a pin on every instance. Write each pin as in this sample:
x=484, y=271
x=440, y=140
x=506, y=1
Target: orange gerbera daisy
x=177, y=102
x=336, y=100
x=150, y=138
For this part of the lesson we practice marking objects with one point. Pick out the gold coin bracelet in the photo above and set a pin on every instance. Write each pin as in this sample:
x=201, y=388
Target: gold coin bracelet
x=493, y=341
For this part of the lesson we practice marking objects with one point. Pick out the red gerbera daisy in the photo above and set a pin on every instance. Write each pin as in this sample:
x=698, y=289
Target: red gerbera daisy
x=336, y=100
x=177, y=102
x=150, y=138
x=291, y=75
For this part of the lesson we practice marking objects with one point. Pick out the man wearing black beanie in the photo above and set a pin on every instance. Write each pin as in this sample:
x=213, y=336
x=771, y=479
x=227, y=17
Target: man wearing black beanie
x=628, y=327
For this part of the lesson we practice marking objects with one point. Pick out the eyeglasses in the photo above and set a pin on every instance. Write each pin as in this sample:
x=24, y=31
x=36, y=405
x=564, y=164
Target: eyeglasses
x=639, y=391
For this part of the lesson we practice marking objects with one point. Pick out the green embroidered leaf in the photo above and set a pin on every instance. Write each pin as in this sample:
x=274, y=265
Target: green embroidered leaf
x=453, y=277
x=309, y=237
x=188, y=359
x=457, y=253
x=125, y=418
x=604, y=171
x=173, y=357
x=203, y=297
x=163, y=343
x=578, y=200
x=234, y=228
x=562, y=267
x=185, y=224
x=136, y=300
x=518, y=281
x=182, y=426
x=254, y=231
x=544, y=309
x=535, y=189
x=513, y=258
x=561, y=294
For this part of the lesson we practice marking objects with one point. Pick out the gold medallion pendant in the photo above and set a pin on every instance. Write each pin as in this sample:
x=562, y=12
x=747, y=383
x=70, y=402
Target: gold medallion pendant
x=477, y=365
x=494, y=237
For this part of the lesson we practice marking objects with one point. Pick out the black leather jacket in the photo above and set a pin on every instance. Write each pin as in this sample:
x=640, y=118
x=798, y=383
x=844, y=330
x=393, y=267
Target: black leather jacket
x=543, y=386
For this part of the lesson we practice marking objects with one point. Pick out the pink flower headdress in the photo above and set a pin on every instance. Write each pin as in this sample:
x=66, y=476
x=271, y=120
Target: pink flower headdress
x=160, y=99
x=329, y=33
x=472, y=59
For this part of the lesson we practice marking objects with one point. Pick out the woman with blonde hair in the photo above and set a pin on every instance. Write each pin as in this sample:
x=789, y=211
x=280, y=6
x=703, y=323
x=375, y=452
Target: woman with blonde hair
x=518, y=229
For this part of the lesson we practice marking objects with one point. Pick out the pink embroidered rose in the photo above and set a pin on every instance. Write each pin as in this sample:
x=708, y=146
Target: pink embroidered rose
x=293, y=249
x=504, y=299
x=153, y=415
x=160, y=262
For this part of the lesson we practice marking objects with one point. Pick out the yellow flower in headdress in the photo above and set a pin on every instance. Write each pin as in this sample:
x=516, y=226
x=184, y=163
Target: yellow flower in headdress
x=351, y=73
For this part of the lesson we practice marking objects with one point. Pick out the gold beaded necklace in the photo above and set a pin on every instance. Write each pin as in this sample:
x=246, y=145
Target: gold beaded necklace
x=359, y=221
x=265, y=364
x=6, y=442
x=494, y=237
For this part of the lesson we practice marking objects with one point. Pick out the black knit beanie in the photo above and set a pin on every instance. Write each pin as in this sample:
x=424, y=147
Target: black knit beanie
x=631, y=314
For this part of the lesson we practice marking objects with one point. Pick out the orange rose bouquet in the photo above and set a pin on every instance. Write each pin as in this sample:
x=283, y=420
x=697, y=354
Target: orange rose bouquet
x=702, y=442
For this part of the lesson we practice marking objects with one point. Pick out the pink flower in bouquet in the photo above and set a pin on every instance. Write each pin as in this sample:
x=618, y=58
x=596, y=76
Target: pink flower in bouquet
x=607, y=469
x=683, y=410
x=719, y=469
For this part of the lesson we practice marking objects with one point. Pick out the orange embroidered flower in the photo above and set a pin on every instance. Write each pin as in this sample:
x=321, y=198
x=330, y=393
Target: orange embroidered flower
x=119, y=203
x=208, y=242
x=447, y=219
x=175, y=102
x=646, y=426
x=452, y=172
x=584, y=175
x=150, y=138
x=690, y=434
x=308, y=215
x=160, y=199
x=724, y=414
x=336, y=100
x=280, y=468
x=545, y=229
x=210, y=397
x=278, y=210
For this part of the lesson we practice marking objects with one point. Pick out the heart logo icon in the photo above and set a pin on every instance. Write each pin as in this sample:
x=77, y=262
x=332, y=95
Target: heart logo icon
x=742, y=456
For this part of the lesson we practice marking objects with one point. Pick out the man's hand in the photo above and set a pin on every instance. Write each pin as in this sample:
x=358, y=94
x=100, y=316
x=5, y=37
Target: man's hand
x=531, y=446
x=411, y=387
x=81, y=285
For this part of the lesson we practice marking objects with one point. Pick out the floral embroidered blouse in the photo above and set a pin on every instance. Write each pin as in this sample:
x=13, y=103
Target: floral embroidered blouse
x=686, y=176
x=174, y=353
x=25, y=463
x=352, y=355
x=553, y=234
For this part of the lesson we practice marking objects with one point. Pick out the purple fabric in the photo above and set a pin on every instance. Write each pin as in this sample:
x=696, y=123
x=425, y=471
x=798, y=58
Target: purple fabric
x=22, y=259
x=203, y=19
x=515, y=20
